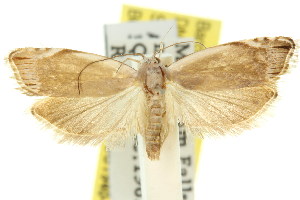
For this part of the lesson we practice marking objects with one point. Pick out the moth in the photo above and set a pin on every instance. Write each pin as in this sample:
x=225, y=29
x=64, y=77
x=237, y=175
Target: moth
x=91, y=98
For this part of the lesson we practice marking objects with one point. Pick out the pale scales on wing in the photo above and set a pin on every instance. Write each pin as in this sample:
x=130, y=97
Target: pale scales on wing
x=218, y=90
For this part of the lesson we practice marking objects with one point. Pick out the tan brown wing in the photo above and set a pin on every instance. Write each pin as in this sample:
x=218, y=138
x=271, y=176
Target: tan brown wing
x=56, y=73
x=224, y=88
x=234, y=65
x=92, y=119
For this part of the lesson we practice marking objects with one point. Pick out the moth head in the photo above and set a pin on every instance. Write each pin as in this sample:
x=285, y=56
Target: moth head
x=156, y=60
x=153, y=60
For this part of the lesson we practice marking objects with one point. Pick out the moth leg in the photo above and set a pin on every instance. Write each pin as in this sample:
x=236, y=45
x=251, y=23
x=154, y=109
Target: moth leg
x=127, y=60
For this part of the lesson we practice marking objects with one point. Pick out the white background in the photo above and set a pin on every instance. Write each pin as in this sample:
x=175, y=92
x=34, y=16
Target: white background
x=260, y=164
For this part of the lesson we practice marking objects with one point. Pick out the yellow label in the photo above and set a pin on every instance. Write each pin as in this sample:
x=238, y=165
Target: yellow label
x=101, y=188
x=206, y=31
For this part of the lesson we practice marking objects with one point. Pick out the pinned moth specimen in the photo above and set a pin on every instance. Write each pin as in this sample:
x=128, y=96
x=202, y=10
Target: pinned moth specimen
x=91, y=98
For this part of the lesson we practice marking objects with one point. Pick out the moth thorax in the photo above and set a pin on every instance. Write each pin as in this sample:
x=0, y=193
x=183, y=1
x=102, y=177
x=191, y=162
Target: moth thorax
x=155, y=77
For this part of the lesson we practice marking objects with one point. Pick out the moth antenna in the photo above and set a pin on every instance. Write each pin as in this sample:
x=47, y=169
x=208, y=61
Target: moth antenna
x=183, y=43
x=163, y=38
x=112, y=58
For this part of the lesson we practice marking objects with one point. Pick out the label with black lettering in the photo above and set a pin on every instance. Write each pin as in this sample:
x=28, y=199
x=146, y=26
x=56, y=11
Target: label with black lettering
x=145, y=38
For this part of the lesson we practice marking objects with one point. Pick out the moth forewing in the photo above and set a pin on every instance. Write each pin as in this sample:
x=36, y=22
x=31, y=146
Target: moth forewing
x=58, y=72
x=234, y=65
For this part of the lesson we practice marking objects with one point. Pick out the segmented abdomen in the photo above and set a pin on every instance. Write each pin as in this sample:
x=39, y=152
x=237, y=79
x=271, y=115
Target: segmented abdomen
x=152, y=137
